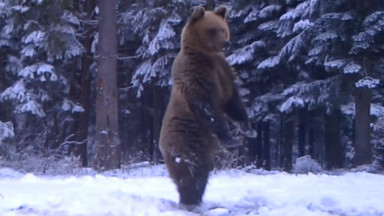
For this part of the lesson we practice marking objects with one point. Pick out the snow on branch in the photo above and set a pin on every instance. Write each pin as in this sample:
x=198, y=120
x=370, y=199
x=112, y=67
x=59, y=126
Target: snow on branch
x=260, y=104
x=162, y=62
x=295, y=13
x=316, y=50
x=303, y=10
x=270, y=62
x=15, y=92
x=20, y=8
x=291, y=103
x=28, y=72
x=252, y=16
x=34, y=37
x=314, y=93
x=375, y=21
x=377, y=110
x=70, y=17
x=68, y=105
x=352, y=68
x=295, y=88
x=28, y=51
x=28, y=101
x=245, y=54
x=335, y=16
x=323, y=37
x=301, y=25
x=293, y=47
x=161, y=40
x=367, y=82
x=373, y=28
x=165, y=30
x=269, y=10
x=144, y=70
x=272, y=25
x=31, y=106
x=337, y=64
x=40, y=71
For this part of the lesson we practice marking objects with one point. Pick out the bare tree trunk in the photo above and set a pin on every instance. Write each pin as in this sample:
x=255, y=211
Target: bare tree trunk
x=107, y=142
x=266, y=146
x=333, y=149
x=259, y=145
x=288, y=144
x=156, y=123
x=251, y=143
x=6, y=112
x=302, y=119
x=80, y=149
x=362, y=138
x=311, y=142
x=363, y=149
x=280, y=144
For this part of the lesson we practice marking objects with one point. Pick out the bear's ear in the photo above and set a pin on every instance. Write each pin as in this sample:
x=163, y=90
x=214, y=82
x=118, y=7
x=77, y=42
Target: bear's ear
x=221, y=11
x=197, y=13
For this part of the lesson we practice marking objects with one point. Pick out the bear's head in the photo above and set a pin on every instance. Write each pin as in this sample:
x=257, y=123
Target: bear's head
x=206, y=31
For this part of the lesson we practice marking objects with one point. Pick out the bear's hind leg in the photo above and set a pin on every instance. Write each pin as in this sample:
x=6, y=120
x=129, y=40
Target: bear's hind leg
x=191, y=180
x=191, y=191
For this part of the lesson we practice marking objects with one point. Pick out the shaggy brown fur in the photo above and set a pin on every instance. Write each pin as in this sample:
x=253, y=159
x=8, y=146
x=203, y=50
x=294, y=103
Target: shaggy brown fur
x=203, y=96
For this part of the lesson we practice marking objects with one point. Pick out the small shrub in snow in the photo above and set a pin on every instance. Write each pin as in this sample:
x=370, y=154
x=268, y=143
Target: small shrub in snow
x=306, y=164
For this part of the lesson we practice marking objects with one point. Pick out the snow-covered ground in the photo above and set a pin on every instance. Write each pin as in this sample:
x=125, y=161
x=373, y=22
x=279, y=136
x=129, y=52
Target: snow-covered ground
x=148, y=191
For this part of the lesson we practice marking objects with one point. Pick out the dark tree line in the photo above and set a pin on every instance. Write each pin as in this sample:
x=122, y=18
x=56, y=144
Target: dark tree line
x=87, y=82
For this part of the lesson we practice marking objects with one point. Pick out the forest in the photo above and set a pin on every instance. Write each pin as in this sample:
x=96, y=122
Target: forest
x=85, y=83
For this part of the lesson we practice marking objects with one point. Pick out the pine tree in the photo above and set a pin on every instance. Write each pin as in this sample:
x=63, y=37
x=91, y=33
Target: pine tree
x=40, y=42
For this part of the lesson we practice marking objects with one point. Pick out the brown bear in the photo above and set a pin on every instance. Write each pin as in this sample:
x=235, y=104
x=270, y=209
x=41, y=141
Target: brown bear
x=203, y=98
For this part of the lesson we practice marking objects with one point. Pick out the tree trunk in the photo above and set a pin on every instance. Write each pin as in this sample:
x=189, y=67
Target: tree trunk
x=6, y=112
x=107, y=142
x=280, y=144
x=311, y=142
x=251, y=143
x=302, y=118
x=333, y=149
x=80, y=149
x=156, y=123
x=259, y=146
x=288, y=144
x=266, y=146
x=363, y=149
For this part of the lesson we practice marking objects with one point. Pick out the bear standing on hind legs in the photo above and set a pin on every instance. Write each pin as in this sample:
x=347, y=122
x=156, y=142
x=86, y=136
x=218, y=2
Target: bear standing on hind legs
x=203, y=97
